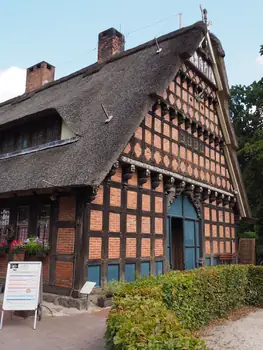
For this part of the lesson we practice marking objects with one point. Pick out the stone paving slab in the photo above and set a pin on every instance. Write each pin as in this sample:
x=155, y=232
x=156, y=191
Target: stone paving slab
x=76, y=332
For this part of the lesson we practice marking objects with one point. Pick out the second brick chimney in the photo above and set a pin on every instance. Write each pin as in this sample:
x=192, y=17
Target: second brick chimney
x=39, y=75
x=111, y=42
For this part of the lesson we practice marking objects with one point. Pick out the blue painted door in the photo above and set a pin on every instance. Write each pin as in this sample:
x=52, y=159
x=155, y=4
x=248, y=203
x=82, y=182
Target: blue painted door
x=183, y=209
x=191, y=244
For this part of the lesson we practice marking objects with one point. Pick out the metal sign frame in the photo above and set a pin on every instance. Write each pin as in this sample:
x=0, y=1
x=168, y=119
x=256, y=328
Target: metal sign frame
x=24, y=278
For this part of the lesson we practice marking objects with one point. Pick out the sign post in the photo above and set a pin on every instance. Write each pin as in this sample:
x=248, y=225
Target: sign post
x=87, y=289
x=23, y=288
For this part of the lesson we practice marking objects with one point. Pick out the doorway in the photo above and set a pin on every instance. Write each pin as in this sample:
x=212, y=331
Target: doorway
x=183, y=240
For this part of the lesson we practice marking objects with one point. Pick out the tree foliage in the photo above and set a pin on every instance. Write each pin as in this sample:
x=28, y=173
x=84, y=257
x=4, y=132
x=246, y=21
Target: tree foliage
x=246, y=110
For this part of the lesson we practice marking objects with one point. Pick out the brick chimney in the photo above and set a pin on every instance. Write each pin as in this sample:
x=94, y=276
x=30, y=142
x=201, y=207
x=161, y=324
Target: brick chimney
x=39, y=75
x=111, y=42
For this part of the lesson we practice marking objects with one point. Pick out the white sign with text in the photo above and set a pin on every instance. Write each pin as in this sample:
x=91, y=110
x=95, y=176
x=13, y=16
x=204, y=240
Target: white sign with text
x=22, y=287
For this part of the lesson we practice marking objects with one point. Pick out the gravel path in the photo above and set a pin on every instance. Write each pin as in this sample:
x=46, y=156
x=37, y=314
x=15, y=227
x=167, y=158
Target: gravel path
x=243, y=334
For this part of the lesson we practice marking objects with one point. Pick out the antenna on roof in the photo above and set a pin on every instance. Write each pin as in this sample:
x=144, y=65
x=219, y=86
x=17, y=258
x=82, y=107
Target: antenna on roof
x=159, y=49
x=204, y=17
x=109, y=117
x=180, y=20
x=204, y=14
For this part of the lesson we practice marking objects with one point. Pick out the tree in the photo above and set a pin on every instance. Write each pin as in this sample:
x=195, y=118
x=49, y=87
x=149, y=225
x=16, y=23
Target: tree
x=246, y=110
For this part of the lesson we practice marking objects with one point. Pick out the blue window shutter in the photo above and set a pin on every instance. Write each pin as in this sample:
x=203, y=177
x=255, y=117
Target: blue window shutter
x=158, y=268
x=145, y=269
x=208, y=261
x=130, y=272
x=94, y=274
x=113, y=272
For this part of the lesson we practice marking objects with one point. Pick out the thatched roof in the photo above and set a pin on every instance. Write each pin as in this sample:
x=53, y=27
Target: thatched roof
x=123, y=85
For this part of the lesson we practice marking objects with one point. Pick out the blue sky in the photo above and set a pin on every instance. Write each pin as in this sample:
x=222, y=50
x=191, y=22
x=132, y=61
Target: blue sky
x=65, y=32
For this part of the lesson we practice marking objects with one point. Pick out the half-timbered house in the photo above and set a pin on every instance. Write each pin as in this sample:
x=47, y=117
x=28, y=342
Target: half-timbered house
x=127, y=167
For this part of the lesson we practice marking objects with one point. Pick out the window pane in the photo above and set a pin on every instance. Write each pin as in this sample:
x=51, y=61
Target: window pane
x=22, y=222
x=43, y=222
x=4, y=219
x=189, y=233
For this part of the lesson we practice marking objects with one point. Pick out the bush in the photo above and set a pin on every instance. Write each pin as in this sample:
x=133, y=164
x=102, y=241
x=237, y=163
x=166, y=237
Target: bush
x=113, y=288
x=198, y=296
x=144, y=323
x=254, y=292
x=159, y=312
x=248, y=234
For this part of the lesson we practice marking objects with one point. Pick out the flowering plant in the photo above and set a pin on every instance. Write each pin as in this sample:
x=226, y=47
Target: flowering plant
x=35, y=246
x=17, y=245
x=3, y=246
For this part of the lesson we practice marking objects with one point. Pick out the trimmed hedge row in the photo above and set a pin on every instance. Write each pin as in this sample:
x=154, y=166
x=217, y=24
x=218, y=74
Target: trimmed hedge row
x=160, y=312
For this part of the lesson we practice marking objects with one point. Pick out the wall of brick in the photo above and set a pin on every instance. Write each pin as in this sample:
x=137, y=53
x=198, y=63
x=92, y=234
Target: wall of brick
x=65, y=240
x=65, y=243
x=126, y=223
x=3, y=265
x=219, y=231
x=95, y=244
x=96, y=220
x=64, y=274
x=67, y=208
x=114, y=247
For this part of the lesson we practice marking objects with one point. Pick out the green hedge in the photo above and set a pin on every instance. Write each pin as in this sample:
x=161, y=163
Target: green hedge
x=160, y=312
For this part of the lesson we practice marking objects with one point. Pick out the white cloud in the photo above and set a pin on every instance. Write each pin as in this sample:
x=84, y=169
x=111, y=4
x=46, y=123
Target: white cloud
x=259, y=60
x=12, y=83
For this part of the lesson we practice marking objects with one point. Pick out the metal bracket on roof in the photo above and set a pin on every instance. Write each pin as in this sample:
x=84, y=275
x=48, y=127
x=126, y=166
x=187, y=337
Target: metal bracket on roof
x=109, y=117
x=159, y=49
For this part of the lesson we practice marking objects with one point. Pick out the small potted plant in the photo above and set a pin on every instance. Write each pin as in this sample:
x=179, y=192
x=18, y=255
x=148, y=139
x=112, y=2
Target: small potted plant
x=109, y=290
x=3, y=248
x=18, y=249
x=35, y=248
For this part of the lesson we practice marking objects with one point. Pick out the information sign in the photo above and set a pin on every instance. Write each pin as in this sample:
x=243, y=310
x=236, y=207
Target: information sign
x=87, y=289
x=22, y=287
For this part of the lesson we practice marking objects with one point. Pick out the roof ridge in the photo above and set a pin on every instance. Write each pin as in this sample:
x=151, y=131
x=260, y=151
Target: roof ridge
x=96, y=67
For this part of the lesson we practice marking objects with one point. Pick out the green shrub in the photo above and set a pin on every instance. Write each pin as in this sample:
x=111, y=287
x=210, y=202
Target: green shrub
x=159, y=312
x=198, y=296
x=144, y=323
x=248, y=234
x=254, y=292
x=113, y=288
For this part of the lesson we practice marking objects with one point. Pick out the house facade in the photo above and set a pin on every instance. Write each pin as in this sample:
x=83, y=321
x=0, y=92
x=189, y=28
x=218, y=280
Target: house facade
x=127, y=167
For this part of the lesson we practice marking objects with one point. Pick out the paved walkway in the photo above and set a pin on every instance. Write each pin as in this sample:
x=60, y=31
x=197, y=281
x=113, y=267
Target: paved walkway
x=77, y=332
x=243, y=334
